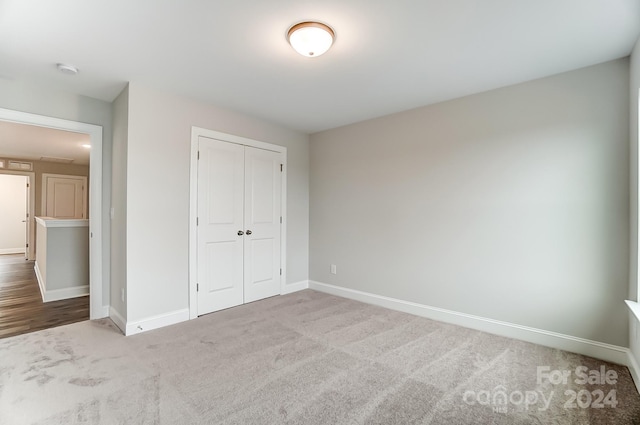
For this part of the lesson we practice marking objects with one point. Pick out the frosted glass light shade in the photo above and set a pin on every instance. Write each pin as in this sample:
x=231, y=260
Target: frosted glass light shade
x=310, y=39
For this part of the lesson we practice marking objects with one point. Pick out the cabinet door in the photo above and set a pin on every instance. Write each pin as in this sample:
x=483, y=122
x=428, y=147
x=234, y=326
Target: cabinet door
x=262, y=201
x=220, y=218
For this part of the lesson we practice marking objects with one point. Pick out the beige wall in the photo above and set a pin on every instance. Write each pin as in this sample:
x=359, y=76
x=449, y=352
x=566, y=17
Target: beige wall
x=43, y=167
x=511, y=204
x=157, y=194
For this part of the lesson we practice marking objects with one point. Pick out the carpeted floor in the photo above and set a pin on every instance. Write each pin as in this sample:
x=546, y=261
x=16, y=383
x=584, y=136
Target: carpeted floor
x=303, y=358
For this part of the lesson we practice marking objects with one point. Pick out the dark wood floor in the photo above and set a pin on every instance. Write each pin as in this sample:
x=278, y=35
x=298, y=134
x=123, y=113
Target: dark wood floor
x=21, y=306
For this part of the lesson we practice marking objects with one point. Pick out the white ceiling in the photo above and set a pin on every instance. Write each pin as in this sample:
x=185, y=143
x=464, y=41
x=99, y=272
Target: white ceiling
x=389, y=55
x=31, y=142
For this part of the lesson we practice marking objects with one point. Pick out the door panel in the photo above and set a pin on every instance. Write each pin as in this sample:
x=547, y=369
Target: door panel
x=223, y=205
x=65, y=197
x=262, y=218
x=220, y=265
x=262, y=255
x=261, y=184
x=220, y=216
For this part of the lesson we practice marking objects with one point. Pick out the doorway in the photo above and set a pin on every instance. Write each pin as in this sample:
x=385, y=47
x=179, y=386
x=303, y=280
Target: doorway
x=29, y=225
x=14, y=210
x=96, y=290
x=238, y=221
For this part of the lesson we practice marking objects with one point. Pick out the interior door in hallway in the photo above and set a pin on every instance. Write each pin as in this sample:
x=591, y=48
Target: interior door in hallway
x=239, y=229
x=64, y=196
x=14, y=198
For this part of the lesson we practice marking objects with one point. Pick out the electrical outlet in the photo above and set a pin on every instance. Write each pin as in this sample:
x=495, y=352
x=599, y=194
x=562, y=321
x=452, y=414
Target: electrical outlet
x=122, y=294
x=333, y=269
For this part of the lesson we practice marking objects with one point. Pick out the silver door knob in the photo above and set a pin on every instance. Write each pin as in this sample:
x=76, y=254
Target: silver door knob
x=248, y=232
x=240, y=233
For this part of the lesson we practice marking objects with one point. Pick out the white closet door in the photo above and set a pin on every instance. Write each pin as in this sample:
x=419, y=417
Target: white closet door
x=262, y=201
x=220, y=218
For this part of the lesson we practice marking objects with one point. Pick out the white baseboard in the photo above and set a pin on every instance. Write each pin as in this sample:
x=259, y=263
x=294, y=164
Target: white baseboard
x=295, y=287
x=65, y=293
x=634, y=369
x=634, y=322
x=40, y=280
x=156, y=322
x=117, y=319
x=49, y=295
x=599, y=350
x=4, y=251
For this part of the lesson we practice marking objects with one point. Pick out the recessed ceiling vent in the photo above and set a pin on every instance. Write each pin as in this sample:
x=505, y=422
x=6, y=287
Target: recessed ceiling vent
x=54, y=159
x=19, y=165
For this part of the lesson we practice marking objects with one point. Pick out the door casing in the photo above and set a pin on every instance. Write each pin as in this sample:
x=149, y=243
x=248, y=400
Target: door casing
x=96, y=309
x=196, y=132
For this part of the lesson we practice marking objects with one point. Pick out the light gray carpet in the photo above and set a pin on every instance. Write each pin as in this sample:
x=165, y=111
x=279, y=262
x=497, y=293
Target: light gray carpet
x=304, y=358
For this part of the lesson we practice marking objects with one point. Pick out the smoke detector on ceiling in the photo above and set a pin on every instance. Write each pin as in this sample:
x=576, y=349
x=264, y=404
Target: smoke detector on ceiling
x=67, y=69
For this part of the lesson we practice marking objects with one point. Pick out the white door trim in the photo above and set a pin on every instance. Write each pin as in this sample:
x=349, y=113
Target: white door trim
x=96, y=308
x=196, y=132
x=31, y=223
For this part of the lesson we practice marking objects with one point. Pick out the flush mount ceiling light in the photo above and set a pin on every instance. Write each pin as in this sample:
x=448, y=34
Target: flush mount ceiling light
x=310, y=39
x=86, y=146
x=67, y=69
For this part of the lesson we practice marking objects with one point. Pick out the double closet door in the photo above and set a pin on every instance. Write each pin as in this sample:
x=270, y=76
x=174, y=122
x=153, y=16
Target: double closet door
x=238, y=225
